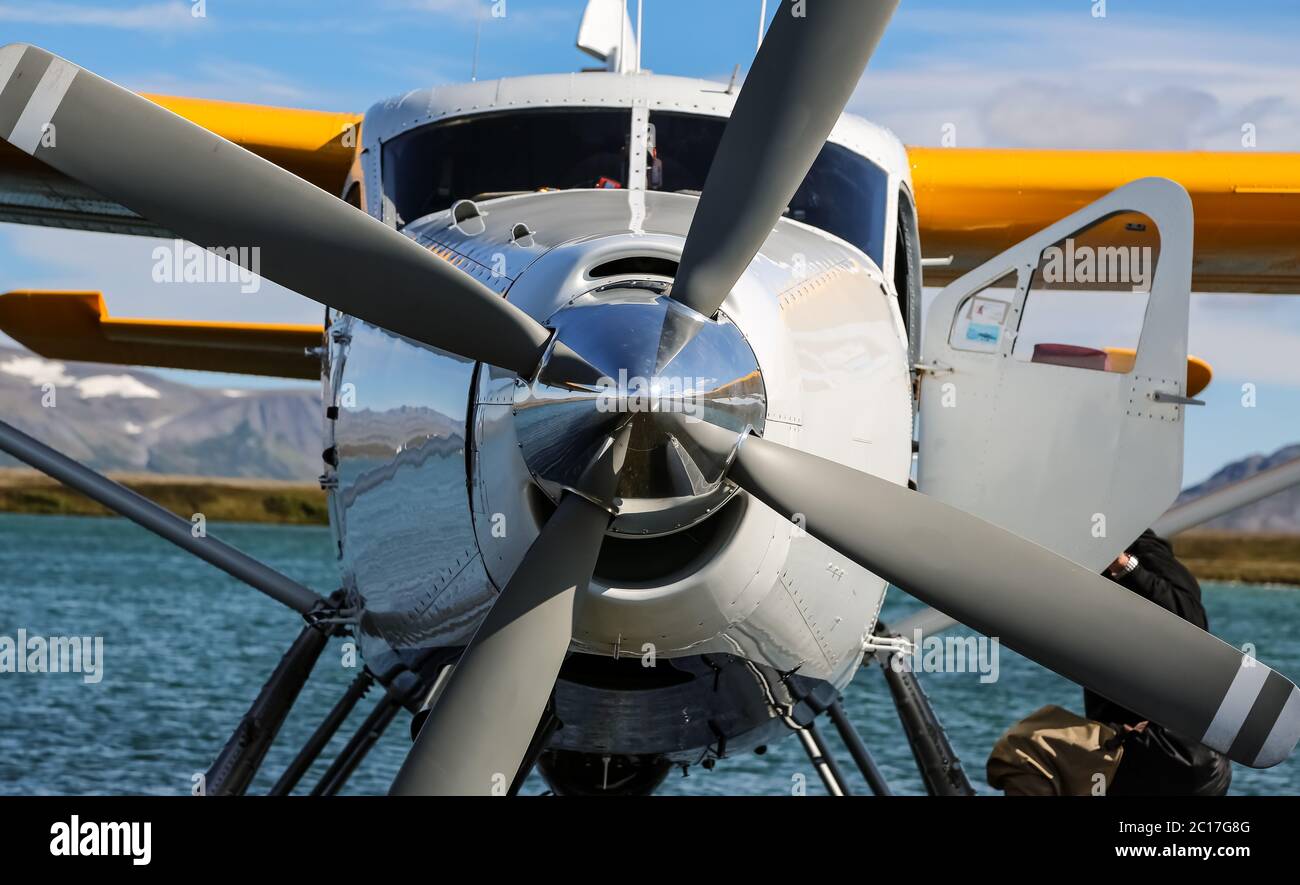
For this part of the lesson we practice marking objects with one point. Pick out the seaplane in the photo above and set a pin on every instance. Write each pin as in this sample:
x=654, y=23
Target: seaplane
x=628, y=420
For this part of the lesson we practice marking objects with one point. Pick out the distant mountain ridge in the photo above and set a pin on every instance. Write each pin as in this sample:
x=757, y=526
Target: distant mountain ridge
x=123, y=419
x=1277, y=514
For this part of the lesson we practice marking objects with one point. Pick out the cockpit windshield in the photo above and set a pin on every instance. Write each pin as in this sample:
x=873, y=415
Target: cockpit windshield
x=843, y=193
x=428, y=169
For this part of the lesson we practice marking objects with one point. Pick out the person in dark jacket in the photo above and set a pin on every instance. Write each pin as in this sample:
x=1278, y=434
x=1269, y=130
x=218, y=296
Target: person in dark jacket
x=1157, y=762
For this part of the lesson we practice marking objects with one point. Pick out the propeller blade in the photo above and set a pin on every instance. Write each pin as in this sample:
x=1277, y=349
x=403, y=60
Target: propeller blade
x=220, y=196
x=1044, y=606
x=802, y=78
x=479, y=729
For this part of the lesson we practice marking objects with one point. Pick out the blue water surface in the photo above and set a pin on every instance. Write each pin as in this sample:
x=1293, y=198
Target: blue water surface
x=187, y=648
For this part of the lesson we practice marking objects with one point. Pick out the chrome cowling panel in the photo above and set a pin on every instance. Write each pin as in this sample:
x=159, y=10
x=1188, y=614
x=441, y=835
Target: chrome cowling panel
x=400, y=513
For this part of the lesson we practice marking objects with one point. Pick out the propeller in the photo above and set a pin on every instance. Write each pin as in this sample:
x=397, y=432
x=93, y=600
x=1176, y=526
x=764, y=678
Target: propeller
x=479, y=729
x=214, y=193
x=804, y=74
x=1042, y=605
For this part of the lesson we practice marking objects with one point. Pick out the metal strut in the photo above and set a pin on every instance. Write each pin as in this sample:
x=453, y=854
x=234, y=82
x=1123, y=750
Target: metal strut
x=858, y=750
x=813, y=743
x=829, y=771
x=167, y=525
x=322, y=735
x=941, y=770
x=239, y=760
x=367, y=735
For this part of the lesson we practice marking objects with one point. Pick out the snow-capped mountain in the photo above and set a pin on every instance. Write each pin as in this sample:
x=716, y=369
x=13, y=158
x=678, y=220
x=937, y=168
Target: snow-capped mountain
x=115, y=418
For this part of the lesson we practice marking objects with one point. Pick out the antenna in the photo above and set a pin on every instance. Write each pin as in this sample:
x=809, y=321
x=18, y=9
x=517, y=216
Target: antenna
x=762, y=23
x=622, y=33
x=478, y=33
x=640, y=38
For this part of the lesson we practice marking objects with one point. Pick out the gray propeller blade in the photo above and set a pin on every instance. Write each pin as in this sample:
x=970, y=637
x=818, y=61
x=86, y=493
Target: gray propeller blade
x=218, y=195
x=479, y=729
x=1044, y=606
x=802, y=78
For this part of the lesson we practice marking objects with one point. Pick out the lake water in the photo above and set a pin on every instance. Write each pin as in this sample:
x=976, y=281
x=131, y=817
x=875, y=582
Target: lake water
x=187, y=648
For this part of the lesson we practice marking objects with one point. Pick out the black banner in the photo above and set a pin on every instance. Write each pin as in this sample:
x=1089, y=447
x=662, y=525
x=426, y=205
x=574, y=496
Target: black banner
x=370, y=834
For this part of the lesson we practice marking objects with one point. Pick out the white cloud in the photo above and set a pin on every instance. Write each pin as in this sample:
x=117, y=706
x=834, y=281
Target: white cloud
x=1044, y=115
x=125, y=386
x=1067, y=80
x=141, y=17
x=522, y=12
x=462, y=10
x=224, y=79
x=37, y=370
x=1060, y=80
x=1248, y=337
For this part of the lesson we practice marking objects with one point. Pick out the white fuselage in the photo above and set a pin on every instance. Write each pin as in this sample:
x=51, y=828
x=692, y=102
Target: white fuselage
x=433, y=505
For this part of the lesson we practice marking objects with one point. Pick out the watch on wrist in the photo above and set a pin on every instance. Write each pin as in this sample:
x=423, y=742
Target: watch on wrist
x=1128, y=568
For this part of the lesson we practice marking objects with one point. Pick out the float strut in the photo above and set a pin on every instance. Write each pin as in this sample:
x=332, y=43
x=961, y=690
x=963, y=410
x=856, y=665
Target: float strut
x=827, y=769
x=322, y=735
x=366, y=737
x=858, y=750
x=241, y=757
x=941, y=770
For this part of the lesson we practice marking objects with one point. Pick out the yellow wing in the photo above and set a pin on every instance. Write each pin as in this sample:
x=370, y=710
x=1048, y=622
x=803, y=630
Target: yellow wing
x=76, y=326
x=974, y=203
x=316, y=145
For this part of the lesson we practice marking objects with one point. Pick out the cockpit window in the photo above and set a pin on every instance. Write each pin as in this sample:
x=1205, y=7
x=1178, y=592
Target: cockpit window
x=428, y=169
x=843, y=194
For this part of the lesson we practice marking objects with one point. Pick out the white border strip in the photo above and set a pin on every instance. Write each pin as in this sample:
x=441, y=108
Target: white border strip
x=1245, y=688
x=44, y=103
x=1282, y=739
x=9, y=59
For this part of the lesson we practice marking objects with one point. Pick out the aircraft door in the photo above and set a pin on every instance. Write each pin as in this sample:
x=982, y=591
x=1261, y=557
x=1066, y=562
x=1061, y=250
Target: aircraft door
x=1053, y=377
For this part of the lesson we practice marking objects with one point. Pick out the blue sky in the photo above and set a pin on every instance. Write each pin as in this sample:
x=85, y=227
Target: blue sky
x=1166, y=75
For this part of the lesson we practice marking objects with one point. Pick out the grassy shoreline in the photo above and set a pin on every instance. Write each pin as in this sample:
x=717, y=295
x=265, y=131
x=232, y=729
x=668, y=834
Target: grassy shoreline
x=218, y=499
x=1240, y=556
x=1212, y=556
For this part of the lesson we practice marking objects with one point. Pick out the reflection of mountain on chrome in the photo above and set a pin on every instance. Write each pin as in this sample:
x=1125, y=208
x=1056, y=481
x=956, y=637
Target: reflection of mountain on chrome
x=368, y=433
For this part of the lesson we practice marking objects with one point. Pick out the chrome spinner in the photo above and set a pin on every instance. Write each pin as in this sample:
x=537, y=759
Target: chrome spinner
x=663, y=367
